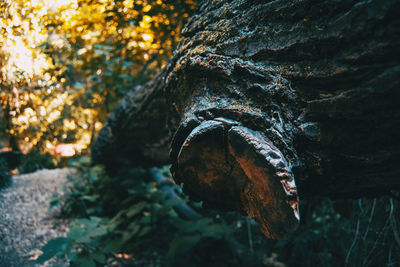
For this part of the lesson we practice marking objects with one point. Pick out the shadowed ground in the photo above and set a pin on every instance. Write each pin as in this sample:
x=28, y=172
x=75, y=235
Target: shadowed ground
x=26, y=222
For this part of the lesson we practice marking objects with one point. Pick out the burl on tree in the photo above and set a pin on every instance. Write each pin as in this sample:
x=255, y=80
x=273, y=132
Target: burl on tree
x=266, y=102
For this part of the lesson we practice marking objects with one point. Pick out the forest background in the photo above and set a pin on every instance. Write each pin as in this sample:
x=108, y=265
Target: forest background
x=63, y=67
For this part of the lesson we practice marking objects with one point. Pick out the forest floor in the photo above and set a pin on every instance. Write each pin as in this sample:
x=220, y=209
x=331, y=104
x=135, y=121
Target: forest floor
x=26, y=222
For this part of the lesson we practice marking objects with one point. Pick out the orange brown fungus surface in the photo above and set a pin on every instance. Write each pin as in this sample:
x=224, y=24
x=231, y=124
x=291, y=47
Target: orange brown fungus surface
x=231, y=167
x=209, y=172
x=264, y=197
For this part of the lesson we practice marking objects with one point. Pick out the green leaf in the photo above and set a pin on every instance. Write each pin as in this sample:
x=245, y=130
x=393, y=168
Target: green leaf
x=128, y=235
x=78, y=85
x=74, y=233
x=84, y=160
x=216, y=230
x=91, y=198
x=54, y=201
x=137, y=208
x=145, y=220
x=115, y=220
x=116, y=245
x=127, y=63
x=125, y=77
x=71, y=256
x=52, y=248
x=99, y=257
x=84, y=261
x=43, y=45
x=145, y=231
x=182, y=244
x=198, y=226
x=99, y=231
x=94, y=220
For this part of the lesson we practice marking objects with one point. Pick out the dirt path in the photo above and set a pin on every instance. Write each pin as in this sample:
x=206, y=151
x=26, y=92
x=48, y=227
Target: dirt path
x=25, y=220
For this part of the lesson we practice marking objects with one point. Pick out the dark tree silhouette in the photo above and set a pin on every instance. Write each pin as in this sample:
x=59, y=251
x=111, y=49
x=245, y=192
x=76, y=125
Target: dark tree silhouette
x=263, y=102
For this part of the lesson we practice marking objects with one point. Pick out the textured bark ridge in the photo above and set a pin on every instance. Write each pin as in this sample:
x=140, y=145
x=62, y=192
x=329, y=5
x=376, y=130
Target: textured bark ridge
x=262, y=94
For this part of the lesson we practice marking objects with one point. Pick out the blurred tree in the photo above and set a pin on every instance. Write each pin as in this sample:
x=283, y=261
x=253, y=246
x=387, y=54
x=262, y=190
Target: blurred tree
x=65, y=64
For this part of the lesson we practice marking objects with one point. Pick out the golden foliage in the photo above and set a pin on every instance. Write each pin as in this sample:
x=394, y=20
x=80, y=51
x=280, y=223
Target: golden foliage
x=65, y=63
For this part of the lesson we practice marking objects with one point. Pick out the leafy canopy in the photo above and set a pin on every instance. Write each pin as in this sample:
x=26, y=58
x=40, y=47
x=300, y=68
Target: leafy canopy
x=65, y=64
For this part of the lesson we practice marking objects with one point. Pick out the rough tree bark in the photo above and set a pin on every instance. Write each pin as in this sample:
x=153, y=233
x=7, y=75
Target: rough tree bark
x=260, y=94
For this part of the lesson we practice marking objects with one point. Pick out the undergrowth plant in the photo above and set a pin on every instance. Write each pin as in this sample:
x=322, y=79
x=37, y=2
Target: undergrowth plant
x=126, y=214
x=35, y=160
x=128, y=220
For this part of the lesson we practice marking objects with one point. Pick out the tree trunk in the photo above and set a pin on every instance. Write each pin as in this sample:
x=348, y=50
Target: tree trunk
x=258, y=95
x=12, y=140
